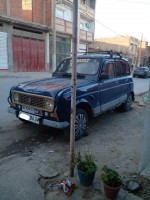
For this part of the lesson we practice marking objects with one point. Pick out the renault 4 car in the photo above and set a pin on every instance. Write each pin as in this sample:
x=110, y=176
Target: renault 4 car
x=104, y=82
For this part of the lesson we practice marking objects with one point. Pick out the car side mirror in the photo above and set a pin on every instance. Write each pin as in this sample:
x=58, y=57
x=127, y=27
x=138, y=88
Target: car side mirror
x=104, y=76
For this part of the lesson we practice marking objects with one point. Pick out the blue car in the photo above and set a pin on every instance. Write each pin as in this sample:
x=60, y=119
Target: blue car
x=104, y=82
x=141, y=72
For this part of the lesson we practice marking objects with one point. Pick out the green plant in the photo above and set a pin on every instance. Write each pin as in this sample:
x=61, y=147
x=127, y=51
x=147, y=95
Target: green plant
x=86, y=162
x=111, y=177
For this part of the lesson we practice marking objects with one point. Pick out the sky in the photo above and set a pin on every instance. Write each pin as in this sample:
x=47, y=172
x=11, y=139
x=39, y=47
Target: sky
x=123, y=17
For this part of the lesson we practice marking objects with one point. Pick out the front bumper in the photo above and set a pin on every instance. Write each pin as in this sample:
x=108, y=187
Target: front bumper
x=45, y=122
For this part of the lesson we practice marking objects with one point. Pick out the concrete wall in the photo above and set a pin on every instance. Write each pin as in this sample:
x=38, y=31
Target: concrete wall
x=124, y=41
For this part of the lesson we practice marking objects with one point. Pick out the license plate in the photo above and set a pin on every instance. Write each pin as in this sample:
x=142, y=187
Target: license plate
x=28, y=117
x=31, y=110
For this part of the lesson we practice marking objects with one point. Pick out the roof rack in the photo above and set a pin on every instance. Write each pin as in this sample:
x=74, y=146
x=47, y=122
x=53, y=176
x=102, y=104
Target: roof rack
x=111, y=53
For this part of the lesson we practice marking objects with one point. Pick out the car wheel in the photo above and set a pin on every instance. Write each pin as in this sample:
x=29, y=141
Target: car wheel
x=127, y=105
x=81, y=122
x=133, y=75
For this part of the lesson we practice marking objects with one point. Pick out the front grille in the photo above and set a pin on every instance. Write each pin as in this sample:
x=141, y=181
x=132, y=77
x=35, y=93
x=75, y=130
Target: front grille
x=30, y=100
x=33, y=100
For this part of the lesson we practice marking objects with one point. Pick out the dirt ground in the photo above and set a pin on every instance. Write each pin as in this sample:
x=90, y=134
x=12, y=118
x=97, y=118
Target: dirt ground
x=114, y=138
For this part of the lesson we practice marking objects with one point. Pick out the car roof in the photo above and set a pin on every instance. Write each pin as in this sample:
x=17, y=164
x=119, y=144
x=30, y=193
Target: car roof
x=98, y=56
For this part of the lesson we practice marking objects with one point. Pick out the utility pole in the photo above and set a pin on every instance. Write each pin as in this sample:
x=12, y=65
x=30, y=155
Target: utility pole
x=139, y=57
x=73, y=85
x=53, y=35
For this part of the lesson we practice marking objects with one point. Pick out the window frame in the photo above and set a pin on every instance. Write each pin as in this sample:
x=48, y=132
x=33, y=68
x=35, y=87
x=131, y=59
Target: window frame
x=108, y=62
x=60, y=10
x=125, y=63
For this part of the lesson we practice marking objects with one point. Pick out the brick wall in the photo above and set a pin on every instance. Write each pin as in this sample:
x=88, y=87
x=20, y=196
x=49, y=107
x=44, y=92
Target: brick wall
x=16, y=8
x=2, y=6
x=27, y=15
x=27, y=9
x=48, y=12
x=33, y=14
x=37, y=6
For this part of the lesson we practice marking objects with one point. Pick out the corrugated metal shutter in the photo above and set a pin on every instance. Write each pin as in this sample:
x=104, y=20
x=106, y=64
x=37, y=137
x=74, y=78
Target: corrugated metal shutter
x=29, y=54
x=3, y=51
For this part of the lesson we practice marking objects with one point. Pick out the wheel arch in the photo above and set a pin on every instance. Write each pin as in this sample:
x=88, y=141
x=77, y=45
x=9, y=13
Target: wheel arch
x=85, y=106
x=132, y=94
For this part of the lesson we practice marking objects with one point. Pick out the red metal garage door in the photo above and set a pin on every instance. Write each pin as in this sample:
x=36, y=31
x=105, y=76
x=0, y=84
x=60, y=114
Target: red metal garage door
x=29, y=54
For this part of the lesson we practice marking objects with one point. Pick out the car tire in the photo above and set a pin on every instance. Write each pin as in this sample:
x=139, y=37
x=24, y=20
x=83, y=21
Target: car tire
x=133, y=75
x=127, y=105
x=81, y=122
x=146, y=76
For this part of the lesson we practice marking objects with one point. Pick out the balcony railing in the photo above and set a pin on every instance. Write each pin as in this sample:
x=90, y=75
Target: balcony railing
x=64, y=26
x=85, y=10
x=85, y=35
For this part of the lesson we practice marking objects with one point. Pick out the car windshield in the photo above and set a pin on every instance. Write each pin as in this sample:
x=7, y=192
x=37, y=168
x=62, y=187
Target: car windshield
x=141, y=68
x=84, y=66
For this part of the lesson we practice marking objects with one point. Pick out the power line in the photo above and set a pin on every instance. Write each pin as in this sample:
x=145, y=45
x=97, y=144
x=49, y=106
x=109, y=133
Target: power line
x=136, y=2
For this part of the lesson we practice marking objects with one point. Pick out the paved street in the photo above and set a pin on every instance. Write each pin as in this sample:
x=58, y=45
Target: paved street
x=141, y=85
x=24, y=149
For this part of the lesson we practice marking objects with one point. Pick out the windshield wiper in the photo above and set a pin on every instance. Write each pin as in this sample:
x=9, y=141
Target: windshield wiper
x=80, y=75
x=66, y=74
x=69, y=74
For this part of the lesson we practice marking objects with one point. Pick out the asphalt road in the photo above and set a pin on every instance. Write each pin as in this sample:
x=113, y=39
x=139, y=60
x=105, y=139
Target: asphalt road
x=26, y=149
x=141, y=85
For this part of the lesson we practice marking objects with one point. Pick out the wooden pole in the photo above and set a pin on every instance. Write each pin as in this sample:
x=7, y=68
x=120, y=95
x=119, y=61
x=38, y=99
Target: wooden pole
x=53, y=35
x=73, y=85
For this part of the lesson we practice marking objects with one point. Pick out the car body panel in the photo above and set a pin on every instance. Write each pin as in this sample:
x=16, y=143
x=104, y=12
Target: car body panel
x=94, y=93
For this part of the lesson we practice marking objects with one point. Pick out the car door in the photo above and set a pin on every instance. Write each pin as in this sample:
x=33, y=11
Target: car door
x=122, y=80
x=107, y=87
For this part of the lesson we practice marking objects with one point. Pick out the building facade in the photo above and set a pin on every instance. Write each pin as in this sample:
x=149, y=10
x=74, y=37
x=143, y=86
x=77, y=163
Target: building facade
x=126, y=44
x=143, y=54
x=26, y=32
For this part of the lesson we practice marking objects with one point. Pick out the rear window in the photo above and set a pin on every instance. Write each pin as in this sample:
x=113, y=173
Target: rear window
x=141, y=68
x=120, y=68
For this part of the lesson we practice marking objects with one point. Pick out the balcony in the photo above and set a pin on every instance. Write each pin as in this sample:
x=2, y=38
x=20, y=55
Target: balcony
x=86, y=36
x=64, y=26
x=84, y=9
x=87, y=11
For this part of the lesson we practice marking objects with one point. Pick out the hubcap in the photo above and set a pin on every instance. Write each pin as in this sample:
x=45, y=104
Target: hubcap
x=129, y=101
x=80, y=124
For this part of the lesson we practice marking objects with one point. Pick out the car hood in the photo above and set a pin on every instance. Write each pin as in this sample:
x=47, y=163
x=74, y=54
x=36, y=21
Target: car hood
x=48, y=86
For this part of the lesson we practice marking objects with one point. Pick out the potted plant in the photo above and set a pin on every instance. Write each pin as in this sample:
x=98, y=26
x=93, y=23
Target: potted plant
x=111, y=181
x=86, y=167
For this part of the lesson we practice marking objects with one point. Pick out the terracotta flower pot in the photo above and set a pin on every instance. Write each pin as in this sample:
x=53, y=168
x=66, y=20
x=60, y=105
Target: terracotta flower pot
x=111, y=192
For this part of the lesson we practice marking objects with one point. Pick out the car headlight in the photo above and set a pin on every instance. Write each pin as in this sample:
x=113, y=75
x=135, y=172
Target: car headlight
x=49, y=104
x=15, y=97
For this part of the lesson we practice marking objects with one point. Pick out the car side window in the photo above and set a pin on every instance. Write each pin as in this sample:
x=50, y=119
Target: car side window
x=120, y=68
x=109, y=69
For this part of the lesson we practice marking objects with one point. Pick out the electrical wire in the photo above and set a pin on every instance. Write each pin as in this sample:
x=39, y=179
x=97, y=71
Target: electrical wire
x=135, y=2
